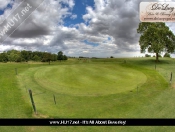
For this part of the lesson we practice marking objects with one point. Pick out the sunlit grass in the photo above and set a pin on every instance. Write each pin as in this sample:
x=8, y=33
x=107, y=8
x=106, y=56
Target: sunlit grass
x=89, y=89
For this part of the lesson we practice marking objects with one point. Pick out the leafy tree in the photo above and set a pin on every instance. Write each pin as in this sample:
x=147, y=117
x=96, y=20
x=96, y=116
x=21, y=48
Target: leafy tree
x=54, y=57
x=3, y=57
x=18, y=59
x=12, y=55
x=60, y=55
x=25, y=55
x=64, y=57
x=46, y=57
x=156, y=37
x=36, y=58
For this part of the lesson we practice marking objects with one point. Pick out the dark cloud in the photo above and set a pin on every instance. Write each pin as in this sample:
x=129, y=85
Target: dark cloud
x=29, y=29
x=62, y=35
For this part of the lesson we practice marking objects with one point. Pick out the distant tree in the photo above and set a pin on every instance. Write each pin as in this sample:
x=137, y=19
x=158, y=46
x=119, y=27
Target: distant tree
x=36, y=58
x=13, y=55
x=111, y=57
x=30, y=54
x=156, y=37
x=146, y=55
x=3, y=57
x=94, y=58
x=37, y=54
x=18, y=56
x=46, y=57
x=54, y=57
x=25, y=55
x=18, y=59
x=166, y=55
x=60, y=55
x=65, y=57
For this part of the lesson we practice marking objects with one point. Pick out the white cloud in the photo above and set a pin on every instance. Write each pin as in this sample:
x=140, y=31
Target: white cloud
x=44, y=30
x=4, y=3
x=74, y=16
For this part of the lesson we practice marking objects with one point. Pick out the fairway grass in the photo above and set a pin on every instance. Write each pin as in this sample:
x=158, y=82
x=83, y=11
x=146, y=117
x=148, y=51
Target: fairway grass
x=89, y=90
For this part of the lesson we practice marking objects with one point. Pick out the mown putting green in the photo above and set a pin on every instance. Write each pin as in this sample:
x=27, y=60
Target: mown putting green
x=88, y=80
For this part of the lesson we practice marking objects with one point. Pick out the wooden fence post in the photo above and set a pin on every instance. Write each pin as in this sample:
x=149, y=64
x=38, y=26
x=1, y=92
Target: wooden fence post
x=54, y=98
x=33, y=104
x=171, y=77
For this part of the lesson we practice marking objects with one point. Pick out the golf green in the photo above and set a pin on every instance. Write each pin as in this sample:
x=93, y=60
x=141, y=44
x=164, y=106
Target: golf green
x=88, y=80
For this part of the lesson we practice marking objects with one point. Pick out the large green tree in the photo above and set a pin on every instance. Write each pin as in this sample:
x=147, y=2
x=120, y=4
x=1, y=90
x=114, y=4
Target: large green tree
x=156, y=37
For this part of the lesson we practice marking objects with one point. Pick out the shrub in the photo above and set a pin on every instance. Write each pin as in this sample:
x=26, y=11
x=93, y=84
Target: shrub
x=146, y=55
x=166, y=55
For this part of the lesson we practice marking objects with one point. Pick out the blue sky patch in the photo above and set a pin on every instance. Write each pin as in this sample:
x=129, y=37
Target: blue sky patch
x=79, y=9
x=108, y=39
x=8, y=6
x=91, y=43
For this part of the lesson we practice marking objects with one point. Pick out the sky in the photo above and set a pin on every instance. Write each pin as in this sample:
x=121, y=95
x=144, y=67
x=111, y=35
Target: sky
x=89, y=28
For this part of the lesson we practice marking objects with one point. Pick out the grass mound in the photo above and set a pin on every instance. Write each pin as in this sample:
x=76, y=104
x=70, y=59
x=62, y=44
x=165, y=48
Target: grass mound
x=88, y=80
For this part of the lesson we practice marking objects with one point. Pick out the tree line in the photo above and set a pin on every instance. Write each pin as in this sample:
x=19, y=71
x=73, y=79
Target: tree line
x=25, y=56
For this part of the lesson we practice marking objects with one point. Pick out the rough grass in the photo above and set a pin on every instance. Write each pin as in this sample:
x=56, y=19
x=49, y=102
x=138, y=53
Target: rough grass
x=12, y=102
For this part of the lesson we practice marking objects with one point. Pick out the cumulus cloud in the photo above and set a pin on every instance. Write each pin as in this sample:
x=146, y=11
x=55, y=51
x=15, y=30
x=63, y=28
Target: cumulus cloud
x=4, y=3
x=74, y=16
x=48, y=14
x=39, y=24
x=111, y=24
x=114, y=19
x=117, y=19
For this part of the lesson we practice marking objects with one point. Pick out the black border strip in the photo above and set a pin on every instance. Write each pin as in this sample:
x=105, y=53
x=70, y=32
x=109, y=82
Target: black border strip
x=87, y=122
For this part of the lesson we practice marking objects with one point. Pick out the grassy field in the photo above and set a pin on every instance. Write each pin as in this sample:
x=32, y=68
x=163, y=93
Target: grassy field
x=94, y=88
